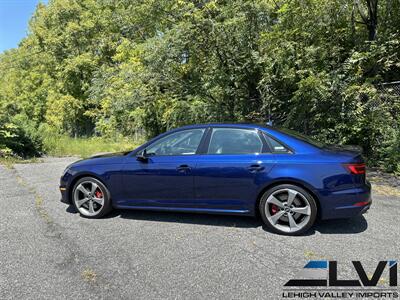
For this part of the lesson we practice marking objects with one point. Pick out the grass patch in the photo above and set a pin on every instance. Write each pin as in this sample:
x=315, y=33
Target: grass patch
x=386, y=190
x=41, y=210
x=9, y=162
x=85, y=147
x=60, y=145
x=89, y=275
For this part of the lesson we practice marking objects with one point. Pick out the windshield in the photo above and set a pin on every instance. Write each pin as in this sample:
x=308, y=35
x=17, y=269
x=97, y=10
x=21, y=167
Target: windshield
x=302, y=137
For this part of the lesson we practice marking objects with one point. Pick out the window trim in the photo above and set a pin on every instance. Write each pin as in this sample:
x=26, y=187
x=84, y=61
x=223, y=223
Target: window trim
x=264, y=147
x=205, y=141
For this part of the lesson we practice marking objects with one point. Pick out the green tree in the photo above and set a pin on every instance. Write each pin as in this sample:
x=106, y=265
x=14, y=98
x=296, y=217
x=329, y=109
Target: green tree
x=115, y=68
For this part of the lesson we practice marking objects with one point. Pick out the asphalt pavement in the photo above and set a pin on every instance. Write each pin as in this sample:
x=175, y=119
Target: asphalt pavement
x=47, y=251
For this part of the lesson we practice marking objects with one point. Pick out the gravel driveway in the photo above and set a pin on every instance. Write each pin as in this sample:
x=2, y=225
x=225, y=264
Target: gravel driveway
x=49, y=252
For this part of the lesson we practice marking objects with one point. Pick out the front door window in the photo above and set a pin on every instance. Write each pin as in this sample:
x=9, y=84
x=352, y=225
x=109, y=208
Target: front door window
x=183, y=142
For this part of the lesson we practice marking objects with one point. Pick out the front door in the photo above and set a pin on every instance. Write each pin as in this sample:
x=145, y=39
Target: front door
x=165, y=179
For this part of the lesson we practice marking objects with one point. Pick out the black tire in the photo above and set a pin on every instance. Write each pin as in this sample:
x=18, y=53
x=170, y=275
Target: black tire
x=107, y=206
x=307, y=220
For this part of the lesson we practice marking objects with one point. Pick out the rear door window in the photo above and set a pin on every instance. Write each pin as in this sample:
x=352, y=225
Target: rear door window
x=234, y=141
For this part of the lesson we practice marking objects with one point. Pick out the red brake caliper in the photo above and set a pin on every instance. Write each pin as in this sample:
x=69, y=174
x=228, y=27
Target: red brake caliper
x=274, y=209
x=98, y=194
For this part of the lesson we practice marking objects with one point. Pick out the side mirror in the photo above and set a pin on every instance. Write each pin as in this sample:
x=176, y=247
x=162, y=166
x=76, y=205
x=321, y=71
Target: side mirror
x=143, y=157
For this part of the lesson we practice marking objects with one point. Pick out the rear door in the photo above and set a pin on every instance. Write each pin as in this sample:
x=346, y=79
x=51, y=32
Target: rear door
x=234, y=164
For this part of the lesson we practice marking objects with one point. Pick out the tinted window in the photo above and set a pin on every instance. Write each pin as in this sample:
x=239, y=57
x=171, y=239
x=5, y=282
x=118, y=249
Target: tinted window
x=302, y=137
x=179, y=143
x=276, y=147
x=234, y=141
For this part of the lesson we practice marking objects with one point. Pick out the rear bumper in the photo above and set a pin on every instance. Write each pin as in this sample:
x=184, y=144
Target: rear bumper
x=346, y=203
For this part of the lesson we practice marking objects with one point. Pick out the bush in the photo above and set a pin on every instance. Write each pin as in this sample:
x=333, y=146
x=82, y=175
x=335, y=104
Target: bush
x=19, y=138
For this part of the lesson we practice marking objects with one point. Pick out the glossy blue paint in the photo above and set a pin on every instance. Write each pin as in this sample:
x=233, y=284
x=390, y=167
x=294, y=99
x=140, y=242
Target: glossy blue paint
x=229, y=183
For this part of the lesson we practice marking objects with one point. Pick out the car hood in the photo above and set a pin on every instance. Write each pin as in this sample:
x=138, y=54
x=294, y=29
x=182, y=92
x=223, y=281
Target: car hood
x=109, y=154
x=102, y=159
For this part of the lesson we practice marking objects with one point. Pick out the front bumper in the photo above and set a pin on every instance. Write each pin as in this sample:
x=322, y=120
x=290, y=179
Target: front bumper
x=64, y=194
x=347, y=203
x=64, y=187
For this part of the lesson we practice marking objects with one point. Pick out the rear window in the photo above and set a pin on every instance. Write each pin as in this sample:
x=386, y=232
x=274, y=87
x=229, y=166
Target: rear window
x=302, y=137
x=276, y=147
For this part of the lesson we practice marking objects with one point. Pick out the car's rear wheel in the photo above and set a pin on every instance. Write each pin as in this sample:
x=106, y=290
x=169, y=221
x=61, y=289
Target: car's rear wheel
x=288, y=209
x=91, y=198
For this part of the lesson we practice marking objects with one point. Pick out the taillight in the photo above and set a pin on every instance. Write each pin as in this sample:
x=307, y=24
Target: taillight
x=356, y=168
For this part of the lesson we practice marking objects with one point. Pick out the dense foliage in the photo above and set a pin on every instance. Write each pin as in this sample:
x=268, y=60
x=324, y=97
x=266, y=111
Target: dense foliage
x=128, y=68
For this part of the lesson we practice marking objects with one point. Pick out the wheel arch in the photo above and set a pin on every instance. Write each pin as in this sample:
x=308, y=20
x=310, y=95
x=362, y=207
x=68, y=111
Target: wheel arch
x=292, y=181
x=80, y=176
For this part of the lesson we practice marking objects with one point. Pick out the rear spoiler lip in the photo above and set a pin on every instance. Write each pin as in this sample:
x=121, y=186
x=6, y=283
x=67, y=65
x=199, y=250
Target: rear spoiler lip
x=346, y=154
x=347, y=148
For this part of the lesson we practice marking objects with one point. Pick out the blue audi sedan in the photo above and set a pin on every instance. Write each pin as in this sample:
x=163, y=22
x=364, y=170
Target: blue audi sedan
x=287, y=179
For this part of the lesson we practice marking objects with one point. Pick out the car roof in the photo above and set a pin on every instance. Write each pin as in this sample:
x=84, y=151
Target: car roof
x=237, y=125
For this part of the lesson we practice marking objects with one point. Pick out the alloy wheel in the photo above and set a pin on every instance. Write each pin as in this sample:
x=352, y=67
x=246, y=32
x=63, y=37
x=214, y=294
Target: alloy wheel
x=288, y=210
x=89, y=198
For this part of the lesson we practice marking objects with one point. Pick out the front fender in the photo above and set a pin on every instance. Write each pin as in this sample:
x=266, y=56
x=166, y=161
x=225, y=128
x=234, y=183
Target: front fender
x=109, y=175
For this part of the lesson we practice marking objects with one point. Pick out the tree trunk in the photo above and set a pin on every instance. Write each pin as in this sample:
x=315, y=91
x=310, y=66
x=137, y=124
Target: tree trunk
x=371, y=19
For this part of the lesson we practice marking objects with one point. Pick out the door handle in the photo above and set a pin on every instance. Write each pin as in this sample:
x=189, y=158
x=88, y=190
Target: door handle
x=183, y=168
x=256, y=168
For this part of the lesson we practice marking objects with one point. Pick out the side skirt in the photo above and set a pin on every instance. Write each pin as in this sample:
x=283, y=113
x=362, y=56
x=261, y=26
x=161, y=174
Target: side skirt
x=189, y=210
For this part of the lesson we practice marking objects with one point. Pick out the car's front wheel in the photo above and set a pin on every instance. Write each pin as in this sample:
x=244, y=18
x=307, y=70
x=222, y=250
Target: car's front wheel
x=91, y=198
x=288, y=209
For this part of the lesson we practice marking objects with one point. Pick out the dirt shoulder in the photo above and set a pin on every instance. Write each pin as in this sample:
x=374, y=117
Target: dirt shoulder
x=383, y=183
